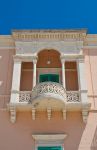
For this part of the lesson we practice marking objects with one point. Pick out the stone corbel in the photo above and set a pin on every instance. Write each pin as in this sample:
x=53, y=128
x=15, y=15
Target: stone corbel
x=33, y=113
x=64, y=114
x=49, y=113
x=12, y=114
x=85, y=115
x=85, y=111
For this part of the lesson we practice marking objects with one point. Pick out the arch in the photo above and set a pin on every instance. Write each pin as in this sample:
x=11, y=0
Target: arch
x=49, y=58
x=54, y=49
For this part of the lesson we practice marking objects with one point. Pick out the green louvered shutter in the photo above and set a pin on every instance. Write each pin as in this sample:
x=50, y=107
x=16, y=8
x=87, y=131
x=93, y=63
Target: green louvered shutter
x=49, y=77
x=50, y=148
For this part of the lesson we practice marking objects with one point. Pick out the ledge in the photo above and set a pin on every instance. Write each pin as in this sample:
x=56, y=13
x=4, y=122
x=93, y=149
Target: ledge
x=49, y=136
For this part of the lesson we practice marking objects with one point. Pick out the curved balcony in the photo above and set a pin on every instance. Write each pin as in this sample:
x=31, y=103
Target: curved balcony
x=48, y=94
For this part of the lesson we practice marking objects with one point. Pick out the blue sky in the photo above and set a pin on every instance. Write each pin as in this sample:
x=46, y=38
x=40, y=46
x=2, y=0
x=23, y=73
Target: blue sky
x=48, y=14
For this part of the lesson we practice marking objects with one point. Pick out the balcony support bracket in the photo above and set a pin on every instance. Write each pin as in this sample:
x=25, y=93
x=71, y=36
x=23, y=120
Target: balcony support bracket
x=49, y=113
x=33, y=113
x=64, y=114
x=12, y=113
x=85, y=111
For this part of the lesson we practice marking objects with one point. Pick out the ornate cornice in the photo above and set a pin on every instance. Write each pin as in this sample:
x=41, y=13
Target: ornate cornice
x=49, y=34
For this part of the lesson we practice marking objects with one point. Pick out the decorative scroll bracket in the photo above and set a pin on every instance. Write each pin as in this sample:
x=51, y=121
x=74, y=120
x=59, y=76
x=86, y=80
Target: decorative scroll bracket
x=12, y=114
x=33, y=113
x=49, y=113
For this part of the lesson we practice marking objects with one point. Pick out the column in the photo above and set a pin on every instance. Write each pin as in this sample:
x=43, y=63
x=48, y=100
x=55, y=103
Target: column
x=83, y=89
x=16, y=81
x=34, y=72
x=63, y=73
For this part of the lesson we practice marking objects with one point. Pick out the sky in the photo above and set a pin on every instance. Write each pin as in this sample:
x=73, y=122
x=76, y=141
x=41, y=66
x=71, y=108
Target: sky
x=48, y=14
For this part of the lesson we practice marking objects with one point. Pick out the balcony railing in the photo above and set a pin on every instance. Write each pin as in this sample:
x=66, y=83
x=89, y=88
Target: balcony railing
x=73, y=96
x=25, y=96
x=49, y=89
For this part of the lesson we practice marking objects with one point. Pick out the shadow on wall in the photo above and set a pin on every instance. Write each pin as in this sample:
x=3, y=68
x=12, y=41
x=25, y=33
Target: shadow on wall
x=94, y=142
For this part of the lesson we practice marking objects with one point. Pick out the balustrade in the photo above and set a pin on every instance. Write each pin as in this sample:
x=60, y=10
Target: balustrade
x=49, y=89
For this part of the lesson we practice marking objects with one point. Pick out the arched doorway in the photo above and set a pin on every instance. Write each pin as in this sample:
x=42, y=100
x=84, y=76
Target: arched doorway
x=49, y=66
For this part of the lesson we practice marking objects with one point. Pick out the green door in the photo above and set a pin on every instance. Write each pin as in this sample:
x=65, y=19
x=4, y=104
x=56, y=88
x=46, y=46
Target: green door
x=50, y=148
x=49, y=77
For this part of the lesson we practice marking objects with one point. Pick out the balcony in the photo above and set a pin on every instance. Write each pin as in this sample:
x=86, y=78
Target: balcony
x=48, y=95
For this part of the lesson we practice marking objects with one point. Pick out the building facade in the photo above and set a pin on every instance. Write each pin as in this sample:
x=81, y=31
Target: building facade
x=48, y=90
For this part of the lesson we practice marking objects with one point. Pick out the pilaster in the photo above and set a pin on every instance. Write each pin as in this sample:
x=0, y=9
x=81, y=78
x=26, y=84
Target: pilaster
x=16, y=81
x=83, y=89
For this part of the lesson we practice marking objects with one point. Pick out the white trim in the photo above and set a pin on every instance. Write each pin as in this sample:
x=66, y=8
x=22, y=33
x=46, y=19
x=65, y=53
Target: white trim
x=49, y=137
x=90, y=46
x=49, y=140
x=7, y=47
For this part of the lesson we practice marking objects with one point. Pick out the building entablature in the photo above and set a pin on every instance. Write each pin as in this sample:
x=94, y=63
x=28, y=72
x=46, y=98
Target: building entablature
x=65, y=41
x=35, y=47
x=29, y=35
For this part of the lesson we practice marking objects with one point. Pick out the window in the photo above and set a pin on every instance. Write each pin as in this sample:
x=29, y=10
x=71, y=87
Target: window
x=49, y=77
x=49, y=141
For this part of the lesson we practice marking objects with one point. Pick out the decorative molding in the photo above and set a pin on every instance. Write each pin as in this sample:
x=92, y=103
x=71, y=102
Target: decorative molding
x=63, y=47
x=71, y=57
x=26, y=58
x=49, y=34
x=49, y=137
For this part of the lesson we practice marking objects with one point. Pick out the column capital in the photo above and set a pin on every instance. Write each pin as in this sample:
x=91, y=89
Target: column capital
x=35, y=60
x=80, y=60
x=17, y=60
x=62, y=59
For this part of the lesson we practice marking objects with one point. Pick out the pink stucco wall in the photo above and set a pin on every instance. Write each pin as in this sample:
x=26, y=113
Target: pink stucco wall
x=91, y=75
x=6, y=69
x=19, y=135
